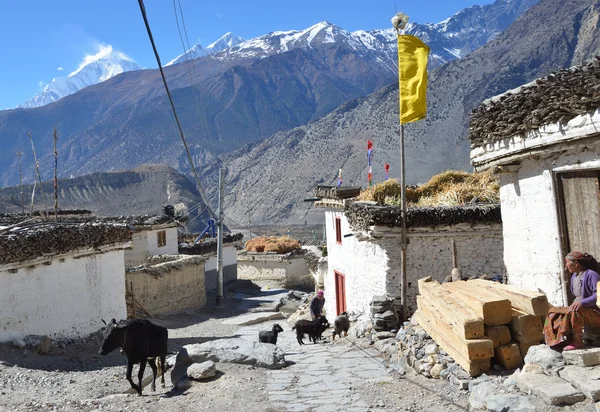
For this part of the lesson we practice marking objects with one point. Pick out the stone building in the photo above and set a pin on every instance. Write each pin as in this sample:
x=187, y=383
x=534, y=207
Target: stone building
x=60, y=280
x=543, y=139
x=363, y=247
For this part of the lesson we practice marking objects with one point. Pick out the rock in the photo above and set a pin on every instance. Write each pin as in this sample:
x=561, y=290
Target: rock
x=385, y=335
x=587, y=380
x=436, y=370
x=550, y=389
x=532, y=368
x=547, y=358
x=431, y=349
x=241, y=351
x=480, y=394
x=401, y=334
x=512, y=380
x=509, y=402
x=479, y=380
x=398, y=369
x=444, y=374
x=461, y=383
x=204, y=370
x=582, y=357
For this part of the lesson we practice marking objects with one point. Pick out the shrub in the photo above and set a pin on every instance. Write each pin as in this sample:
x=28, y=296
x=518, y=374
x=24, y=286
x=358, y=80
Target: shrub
x=283, y=244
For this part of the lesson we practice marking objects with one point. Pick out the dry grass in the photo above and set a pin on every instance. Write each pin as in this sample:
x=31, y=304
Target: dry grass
x=450, y=188
x=283, y=244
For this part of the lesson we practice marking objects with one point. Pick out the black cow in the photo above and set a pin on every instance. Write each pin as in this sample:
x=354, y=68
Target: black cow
x=313, y=328
x=142, y=341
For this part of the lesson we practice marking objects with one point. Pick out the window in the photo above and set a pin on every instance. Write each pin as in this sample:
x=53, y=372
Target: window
x=338, y=230
x=161, y=238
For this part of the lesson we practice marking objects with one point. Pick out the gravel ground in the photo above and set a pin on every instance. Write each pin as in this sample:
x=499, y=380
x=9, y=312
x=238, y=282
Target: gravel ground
x=74, y=377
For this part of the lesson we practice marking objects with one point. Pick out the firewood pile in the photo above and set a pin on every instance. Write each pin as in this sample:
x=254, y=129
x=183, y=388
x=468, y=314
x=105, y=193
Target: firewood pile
x=39, y=240
x=361, y=215
x=478, y=322
x=334, y=192
x=207, y=246
x=559, y=97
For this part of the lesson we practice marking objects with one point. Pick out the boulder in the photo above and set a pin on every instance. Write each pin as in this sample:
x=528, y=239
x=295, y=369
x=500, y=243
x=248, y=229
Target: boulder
x=551, y=389
x=204, y=370
x=265, y=355
x=548, y=359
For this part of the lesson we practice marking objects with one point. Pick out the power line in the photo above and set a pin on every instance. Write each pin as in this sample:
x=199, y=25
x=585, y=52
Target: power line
x=162, y=74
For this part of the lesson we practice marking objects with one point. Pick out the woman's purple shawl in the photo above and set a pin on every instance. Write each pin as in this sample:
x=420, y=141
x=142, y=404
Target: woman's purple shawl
x=588, y=288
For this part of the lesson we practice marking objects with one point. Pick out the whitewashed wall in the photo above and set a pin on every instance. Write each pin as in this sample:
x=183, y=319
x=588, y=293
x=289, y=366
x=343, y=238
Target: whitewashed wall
x=67, y=298
x=230, y=269
x=532, y=249
x=373, y=267
x=145, y=243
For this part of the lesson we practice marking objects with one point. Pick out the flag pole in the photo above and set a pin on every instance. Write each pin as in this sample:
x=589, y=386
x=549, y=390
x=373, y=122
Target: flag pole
x=399, y=21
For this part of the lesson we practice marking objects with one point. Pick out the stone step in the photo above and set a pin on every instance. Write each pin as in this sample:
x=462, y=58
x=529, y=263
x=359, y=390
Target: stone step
x=582, y=357
x=550, y=389
x=587, y=380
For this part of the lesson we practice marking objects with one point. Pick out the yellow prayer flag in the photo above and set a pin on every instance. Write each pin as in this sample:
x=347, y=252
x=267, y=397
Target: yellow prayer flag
x=412, y=74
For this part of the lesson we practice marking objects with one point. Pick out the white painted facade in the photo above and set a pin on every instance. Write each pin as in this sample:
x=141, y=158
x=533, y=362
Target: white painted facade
x=62, y=296
x=230, y=268
x=144, y=243
x=528, y=196
x=370, y=261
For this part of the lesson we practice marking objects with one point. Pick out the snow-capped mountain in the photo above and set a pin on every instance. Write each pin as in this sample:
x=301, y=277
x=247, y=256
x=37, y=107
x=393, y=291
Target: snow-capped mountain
x=227, y=40
x=94, y=69
x=448, y=40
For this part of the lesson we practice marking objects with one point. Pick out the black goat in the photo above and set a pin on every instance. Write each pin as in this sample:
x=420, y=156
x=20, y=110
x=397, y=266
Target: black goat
x=341, y=324
x=313, y=328
x=270, y=336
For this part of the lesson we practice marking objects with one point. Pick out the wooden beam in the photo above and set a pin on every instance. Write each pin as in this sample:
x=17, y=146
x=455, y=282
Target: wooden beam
x=531, y=302
x=471, y=349
x=525, y=327
x=494, y=309
x=499, y=335
x=464, y=320
x=472, y=367
x=509, y=356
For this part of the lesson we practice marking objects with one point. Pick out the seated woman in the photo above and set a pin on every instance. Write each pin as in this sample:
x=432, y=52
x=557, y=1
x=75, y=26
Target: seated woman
x=564, y=326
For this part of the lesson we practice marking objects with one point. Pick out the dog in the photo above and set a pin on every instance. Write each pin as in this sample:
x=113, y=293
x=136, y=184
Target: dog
x=341, y=324
x=313, y=328
x=270, y=336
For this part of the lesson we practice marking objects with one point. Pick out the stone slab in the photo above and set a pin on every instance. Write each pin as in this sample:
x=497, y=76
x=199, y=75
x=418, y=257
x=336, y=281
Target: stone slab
x=550, y=389
x=587, y=380
x=582, y=357
x=253, y=318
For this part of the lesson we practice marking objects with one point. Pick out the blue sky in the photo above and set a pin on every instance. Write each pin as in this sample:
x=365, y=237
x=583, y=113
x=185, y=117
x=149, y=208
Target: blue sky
x=39, y=37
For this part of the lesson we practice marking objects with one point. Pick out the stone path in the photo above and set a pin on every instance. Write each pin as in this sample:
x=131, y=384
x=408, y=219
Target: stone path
x=323, y=376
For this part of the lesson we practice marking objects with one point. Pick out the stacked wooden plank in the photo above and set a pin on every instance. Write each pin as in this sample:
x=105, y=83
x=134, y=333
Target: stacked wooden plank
x=478, y=320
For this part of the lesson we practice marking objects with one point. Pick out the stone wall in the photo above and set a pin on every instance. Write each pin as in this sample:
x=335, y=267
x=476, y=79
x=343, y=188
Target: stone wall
x=62, y=296
x=290, y=270
x=172, y=286
x=370, y=261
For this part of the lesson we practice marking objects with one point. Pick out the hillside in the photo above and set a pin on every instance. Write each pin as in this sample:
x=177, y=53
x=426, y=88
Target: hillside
x=269, y=179
x=143, y=190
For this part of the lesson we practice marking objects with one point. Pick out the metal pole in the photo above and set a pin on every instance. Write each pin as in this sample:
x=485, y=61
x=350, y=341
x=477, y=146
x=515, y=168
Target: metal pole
x=404, y=287
x=220, y=241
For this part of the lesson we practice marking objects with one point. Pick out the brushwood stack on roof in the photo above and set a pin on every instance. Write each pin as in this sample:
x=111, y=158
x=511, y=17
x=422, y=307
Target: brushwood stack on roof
x=333, y=196
x=47, y=239
x=85, y=216
x=361, y=215
x=206, y=246
x=559, y=97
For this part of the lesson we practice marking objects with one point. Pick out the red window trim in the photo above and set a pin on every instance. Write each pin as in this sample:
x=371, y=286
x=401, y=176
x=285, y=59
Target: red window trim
x=338, y=230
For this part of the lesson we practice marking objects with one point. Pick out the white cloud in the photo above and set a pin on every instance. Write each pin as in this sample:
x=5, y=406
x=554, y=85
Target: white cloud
x=103, y=51
x=60, y=69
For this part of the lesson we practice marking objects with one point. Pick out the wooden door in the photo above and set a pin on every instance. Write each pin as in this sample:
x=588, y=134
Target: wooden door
x=340, y=292
x=581, y=211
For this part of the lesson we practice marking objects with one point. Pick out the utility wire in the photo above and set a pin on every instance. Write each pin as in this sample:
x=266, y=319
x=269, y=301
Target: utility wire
x=200, y=189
